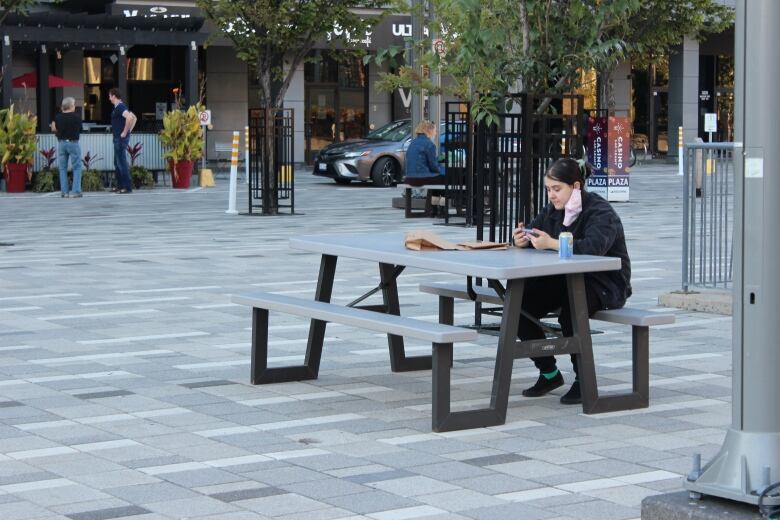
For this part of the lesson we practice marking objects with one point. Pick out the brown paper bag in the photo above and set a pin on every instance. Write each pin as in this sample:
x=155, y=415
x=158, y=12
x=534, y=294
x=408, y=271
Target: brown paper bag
x=482, y=246
x=423, y=240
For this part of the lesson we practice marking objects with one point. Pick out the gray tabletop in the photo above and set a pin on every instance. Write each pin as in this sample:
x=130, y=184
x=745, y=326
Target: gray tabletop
x=498, y=265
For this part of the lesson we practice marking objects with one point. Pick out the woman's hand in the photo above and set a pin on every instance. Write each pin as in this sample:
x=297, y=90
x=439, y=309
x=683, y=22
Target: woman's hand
x=519, y=236
x=542, y=240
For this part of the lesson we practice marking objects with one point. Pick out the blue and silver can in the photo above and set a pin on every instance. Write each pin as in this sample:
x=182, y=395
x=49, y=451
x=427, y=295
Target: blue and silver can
x=566, y=245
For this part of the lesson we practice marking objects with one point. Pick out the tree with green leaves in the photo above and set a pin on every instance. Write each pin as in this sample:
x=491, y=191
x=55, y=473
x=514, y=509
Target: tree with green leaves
x=496, y=47
x=274, y=37
x=14, y=6
x=656, y=27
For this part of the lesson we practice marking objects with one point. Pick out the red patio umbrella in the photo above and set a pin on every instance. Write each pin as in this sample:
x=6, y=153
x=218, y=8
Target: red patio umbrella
x=30, y=80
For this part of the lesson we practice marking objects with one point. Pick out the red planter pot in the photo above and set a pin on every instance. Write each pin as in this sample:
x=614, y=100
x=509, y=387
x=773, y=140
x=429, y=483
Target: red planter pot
x=181, y=179
x=15, y=177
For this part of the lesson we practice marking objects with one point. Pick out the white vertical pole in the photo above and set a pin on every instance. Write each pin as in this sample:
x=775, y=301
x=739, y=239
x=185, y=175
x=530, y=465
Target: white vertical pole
x=246, y=154
x=680, y=151
x=233, y=174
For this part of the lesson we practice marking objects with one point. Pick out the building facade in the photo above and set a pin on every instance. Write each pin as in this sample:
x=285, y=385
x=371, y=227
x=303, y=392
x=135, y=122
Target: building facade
x=153, y=51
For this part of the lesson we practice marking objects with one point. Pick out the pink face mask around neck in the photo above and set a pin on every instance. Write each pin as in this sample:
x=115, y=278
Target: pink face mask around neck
x=573, y=208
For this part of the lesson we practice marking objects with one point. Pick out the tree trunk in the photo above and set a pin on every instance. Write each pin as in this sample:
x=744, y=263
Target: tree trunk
x=269, y=177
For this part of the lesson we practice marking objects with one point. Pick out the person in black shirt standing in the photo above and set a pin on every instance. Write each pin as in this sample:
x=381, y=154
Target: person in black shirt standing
x=67, y=127
x=122, y=123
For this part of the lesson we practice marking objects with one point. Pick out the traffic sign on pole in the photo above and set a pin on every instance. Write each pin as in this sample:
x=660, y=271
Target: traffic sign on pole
x=204, y=117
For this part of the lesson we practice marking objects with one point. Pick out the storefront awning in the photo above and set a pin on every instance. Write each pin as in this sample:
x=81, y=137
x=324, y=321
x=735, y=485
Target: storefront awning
x=30, y=80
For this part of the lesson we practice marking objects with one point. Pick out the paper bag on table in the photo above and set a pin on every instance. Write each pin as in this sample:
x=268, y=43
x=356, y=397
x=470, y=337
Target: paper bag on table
x=421, y=240
x=481, y=246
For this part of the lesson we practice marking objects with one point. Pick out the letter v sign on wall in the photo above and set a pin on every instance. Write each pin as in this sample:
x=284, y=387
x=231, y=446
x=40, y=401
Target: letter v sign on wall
x=406, y=99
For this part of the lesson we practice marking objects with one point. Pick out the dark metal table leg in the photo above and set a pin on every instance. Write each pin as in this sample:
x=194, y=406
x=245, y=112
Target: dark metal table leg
x=578, y=304
x=260, y=373
x=443, y=419
x=399, y=362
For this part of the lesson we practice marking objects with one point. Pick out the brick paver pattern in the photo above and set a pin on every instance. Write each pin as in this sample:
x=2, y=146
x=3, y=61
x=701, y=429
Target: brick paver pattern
x=124, y=373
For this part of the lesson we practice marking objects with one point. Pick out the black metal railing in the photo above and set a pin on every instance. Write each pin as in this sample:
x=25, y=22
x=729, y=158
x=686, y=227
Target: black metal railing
x=271, y=167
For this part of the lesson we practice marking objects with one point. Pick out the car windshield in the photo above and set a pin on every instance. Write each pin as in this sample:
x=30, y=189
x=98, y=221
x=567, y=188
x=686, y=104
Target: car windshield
x=395, y=131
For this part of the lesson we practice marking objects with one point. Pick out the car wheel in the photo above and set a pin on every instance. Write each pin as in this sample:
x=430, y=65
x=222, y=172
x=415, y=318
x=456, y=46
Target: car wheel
x=342, y=181
x=384, y=172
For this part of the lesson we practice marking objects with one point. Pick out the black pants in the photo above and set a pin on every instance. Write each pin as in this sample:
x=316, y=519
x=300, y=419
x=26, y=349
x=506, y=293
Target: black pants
x=542, y=296
x=423, y=181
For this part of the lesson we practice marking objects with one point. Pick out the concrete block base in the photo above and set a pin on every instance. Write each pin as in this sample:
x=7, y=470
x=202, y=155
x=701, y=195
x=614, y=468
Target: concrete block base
x=400, y=203
x=716, y=302
x=678, y=506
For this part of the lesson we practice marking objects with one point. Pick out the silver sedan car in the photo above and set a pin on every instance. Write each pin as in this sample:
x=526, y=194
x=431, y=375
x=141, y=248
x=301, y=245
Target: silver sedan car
x=377, y=158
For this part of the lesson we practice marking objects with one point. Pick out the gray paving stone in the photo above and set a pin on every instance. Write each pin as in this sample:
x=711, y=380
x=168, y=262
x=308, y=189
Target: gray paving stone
x=148, y=493
x=326, y=488
x=459, y=500
x=370, y=502
x=105, y=514
x=277, y=505
x=285, y=475
x=247, y=494
x=508, y=512
x=132, y=394
x=606, y=510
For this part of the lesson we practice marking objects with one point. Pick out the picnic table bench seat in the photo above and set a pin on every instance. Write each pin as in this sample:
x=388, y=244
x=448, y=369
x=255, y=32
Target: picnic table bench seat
x=441, y=335
x=640, y=321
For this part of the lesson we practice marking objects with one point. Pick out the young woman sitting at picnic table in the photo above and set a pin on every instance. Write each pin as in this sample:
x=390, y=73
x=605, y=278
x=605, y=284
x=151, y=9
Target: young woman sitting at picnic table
x=597, y=230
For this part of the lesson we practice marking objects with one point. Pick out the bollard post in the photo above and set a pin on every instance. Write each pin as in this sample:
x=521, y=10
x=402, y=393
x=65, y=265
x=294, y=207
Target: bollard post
x=680, y=151
x=246, y=154
x=233, y=175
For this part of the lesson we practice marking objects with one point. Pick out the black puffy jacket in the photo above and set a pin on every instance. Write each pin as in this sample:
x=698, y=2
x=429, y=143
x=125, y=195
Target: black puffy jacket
x=597, y=231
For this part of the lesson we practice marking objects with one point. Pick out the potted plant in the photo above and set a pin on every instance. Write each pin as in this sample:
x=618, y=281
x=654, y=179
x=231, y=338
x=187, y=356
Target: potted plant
x=142, y=178
x=46, y=179
x=17, y=147
x=90, y=177
x=182, y=136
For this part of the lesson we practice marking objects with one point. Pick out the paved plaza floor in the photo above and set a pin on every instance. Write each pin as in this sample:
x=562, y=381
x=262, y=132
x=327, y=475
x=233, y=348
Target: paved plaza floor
x=124, y=374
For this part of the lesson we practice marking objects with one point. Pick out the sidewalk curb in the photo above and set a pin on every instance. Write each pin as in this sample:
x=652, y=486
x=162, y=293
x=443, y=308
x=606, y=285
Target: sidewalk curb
x=712, y=301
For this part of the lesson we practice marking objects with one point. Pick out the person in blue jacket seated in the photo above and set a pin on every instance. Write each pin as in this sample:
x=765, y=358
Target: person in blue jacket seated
x=597, y=230
x=421, y=165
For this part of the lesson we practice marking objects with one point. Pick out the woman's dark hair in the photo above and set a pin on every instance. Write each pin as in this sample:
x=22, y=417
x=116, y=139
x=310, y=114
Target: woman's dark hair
x=569, y=171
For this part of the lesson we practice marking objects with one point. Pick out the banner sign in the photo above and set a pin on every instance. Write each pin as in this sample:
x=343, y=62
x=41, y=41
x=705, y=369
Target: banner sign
x=619, y=149
x=597, y=155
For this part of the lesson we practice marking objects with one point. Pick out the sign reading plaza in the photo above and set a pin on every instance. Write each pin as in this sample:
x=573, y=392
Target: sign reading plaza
x=619, y=139
x=597, y=155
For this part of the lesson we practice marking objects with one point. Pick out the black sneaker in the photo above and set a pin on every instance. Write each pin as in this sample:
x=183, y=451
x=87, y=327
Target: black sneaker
x=573, y=396
x=544, y=385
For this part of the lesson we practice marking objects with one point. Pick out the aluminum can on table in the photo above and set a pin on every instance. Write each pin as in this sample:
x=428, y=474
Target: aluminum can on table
x=566, y=245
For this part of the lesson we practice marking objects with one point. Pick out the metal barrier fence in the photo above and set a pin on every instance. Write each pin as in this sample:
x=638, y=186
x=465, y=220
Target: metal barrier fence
x=511, y=159
x=708, y=215
x=278, y=162
x=102, y=146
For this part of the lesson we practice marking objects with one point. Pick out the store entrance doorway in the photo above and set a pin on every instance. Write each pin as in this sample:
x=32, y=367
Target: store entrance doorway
x=333, y=114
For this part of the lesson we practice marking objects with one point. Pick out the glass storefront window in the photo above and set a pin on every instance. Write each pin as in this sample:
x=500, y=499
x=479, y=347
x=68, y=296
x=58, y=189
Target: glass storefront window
x=321, y=68
x=92, y=70
x=352, y=74
x=140, y=69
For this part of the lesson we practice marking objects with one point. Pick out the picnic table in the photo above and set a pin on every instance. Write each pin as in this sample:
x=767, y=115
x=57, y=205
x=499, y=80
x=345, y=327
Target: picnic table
x=505, y=270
